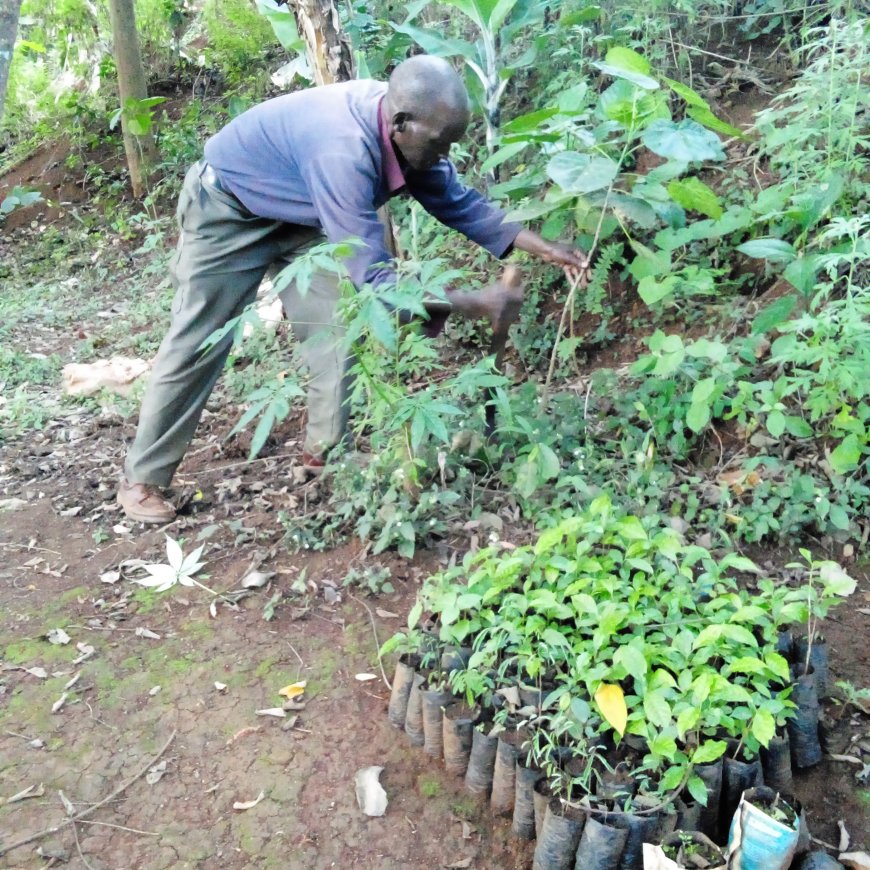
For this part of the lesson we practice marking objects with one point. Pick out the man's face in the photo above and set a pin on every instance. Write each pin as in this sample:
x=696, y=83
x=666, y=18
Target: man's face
x=425, y=141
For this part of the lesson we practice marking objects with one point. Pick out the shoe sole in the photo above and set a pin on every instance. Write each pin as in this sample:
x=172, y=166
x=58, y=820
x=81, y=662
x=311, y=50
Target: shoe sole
x=148, y=519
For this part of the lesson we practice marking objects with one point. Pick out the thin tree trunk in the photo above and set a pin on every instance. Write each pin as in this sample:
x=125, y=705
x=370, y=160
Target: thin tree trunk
x=9, y=10
x=328, y=49
x=331, y=60
x=140, y=150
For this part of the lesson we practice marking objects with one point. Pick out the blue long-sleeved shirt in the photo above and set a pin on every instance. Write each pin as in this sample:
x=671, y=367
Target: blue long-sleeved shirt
x=315, y=158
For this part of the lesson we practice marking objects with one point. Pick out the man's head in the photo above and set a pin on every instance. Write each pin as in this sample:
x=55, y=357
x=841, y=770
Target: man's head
x=427, y=109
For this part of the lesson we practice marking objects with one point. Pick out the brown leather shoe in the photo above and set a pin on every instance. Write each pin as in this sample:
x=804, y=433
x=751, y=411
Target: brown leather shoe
x=312, y=463
x=144, y=503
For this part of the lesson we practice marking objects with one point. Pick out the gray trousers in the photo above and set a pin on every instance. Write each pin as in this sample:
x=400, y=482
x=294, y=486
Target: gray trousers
x=222, y=256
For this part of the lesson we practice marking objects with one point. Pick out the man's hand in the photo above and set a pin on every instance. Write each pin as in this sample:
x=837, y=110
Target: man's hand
x=573, y=261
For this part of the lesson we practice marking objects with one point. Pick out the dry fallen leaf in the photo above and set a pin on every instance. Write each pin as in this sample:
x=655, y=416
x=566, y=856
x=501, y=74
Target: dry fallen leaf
x=110, y=577
x=246, y=805
x=257, y=579
x=67, y=803
x=154, y=690
x=58, y=704
x=120, y=529
x=155, y=773
x=844, y=837
x=294, y=690
x=42, y=673
x=370, y=794
x=221, y=687
x=146, y=632
x=86, y=651
x=243, y=732
x=277, y=712
x=364, y=678
x=58, y=636
x=30, y=792
x=459, y=865
x=386, y=614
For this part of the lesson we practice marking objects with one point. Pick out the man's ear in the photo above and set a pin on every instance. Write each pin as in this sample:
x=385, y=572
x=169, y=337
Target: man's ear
x=399, y=121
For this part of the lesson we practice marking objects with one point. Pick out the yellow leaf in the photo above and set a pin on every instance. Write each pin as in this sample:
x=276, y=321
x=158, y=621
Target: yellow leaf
x=294, y=690
x=611, y=703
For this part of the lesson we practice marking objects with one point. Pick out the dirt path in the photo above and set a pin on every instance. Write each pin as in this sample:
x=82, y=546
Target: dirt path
x=134, y=691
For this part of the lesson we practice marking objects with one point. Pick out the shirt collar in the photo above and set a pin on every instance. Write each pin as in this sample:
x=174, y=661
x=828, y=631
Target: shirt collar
x=393, y=174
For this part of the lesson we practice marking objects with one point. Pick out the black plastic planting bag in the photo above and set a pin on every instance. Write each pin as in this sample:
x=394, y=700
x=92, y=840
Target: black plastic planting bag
x=803, y=728
x=414, y=713
x=458, y=723
x=711, y=774
x=641, y=829
x=601, y=846
x=524, y=802
x=504, y=777
x=433, y=731
x=556, y=848
x=481, y=763
x=818, y=861
x=776, y=763
x=818, y=663
x=401, y=691
x=736, y=778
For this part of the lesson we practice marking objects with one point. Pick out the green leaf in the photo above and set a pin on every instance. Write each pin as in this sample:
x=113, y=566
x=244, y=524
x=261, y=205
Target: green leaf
x=703, y=390
x=580, y=16
x=774, y=314
x=711, y=122
x=836, y=580
x=698, y=416
x=687, y=720
x=283, y=24
x=684, y=140
x=414, y=615
x=839, y=518
x=801, y=274
x=763, y=727
x=775, y=250
x=632, y=659
x=549, y=462
x=629, y=75
x=691, y=97
x=628, y=59
x=657, y=709
x=798, y=427
x=693, y=195
x=709, y=751
x=436, y=45
x=580, y=173
x=846, y=455
x=664, y=746
x=697, y=789
x=653, y=291
x=551, y=637
x=775, y=423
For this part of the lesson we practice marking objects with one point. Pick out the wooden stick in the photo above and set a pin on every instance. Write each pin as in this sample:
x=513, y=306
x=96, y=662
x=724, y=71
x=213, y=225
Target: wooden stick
x=73, y=819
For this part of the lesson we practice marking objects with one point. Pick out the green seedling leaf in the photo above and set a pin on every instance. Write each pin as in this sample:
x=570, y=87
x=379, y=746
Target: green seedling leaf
x=636, y=78
x=693, y=195
x=801, y=274
x=653, y=291
x=709, y=751
x=775, y=250
x=697, y=789
x=836, y=580
x=580, y=16
x=691, y=97
x=698, y=416
x=774, y=314
x=684, y=140
x=611, y=703
x=414, y=615
x=763, y=727
x=775, y=423
x=580, y=173
x=846, y=455
x=704, y=116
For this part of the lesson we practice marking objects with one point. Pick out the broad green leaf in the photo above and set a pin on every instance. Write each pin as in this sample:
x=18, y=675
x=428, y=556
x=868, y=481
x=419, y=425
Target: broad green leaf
x=436, y=45
x=774, y=314
x=775, y=250
x=627, y=59
x=798, y=427
x=580, y=173
x=763, y=727
x=698, y=416
x=801, y=273
x=283, y=24
x=690, y=96
x=708, y=348
x=631, y=106
x=657, y=709
x=703, y=390
x=709, y=751
x=551, y=637
x=550, y=465
x=775, y=423
x=629, y=75
x=684, y=140
x=653, y=291
x=839, y=518
x=711, y=122
x=414, y=615
x=687, y=720
x=580, y=16
x=846, y=455
x=693, y=195
x=528, y=122
x=611, y=702
x=632, y=659
x=664, y=746
x=503, y=154
x=697, y=789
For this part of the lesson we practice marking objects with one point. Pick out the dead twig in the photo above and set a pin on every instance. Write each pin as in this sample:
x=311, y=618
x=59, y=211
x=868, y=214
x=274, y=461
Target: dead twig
x=377, y=642
x=79, y=848
x=4, y=849
x=119, y=827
